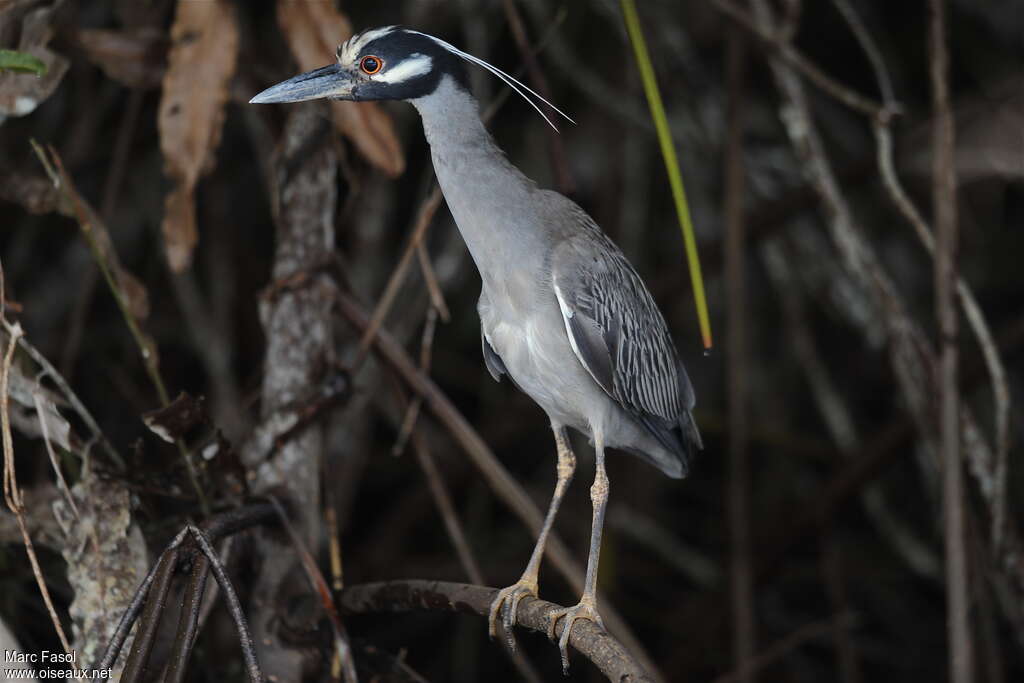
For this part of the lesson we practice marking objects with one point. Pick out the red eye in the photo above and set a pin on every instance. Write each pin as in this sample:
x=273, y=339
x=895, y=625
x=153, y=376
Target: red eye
x=370, y=64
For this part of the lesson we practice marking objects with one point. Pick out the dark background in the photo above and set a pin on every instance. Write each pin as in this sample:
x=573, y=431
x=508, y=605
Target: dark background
x=867, y=573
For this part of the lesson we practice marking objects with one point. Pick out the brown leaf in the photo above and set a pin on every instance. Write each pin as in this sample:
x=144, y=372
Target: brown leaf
x=180, y=232
x=177, y=418
x=133, y=57
x=30, y=24
x=204, y=50
x=30, y=394
x=314, y=29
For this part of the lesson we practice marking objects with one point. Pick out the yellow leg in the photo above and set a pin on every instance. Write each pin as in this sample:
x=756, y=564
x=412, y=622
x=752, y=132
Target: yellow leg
x=507, y=601
x=587, y=607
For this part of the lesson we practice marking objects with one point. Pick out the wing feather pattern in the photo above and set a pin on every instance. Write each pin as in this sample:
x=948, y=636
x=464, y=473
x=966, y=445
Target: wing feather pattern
x=620, y=337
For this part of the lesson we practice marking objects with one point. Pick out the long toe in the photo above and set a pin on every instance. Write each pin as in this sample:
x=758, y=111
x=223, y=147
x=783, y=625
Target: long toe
x=586, y=609
x=506, y=604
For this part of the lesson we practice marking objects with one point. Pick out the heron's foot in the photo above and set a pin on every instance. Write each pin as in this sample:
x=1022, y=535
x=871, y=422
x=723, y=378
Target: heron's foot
x=586, y=609
x=506, y=603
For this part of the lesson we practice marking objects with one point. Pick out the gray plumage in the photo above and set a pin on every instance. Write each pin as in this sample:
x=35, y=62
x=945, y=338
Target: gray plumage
x=563, y=314
x=556, y=288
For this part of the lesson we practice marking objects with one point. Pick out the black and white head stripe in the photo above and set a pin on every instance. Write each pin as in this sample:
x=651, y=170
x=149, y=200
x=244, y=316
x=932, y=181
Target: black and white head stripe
x=419, y=64
x=510, y=81
x=414, y=65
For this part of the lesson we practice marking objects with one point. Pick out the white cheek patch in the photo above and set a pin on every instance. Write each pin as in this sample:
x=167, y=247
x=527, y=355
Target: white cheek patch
x=409, y=68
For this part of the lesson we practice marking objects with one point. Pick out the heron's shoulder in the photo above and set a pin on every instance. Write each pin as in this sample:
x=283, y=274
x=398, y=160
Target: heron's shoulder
x=566, y=217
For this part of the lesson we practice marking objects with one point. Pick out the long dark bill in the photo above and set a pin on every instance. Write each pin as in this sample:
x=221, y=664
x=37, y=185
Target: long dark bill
x=329, y=81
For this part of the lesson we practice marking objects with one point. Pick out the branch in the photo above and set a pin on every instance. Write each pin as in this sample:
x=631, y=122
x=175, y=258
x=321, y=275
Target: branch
x=589, y=639
x=12, y=493
x=128, y=293
x=150, y=603
x=741, y=575
x=972, y=311
x=953, y=501
x=287, y=448
x=785, y=646
x=779, y=42
x=501, y=482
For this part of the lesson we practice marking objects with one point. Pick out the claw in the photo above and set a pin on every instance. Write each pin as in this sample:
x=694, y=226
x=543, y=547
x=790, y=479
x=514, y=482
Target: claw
x=506, y=602
x=586, y=609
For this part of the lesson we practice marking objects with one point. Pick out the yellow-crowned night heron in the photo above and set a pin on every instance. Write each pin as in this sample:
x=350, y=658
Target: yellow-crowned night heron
x=562, y=311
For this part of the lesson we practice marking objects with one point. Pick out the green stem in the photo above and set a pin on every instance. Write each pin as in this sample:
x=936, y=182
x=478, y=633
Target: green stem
x=668, y=153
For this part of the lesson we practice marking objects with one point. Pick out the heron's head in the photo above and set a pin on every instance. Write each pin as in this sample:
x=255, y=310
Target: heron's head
x=389, y=63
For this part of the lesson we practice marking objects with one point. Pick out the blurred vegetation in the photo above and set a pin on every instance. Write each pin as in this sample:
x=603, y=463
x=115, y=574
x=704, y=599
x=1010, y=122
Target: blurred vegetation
x=845, y=515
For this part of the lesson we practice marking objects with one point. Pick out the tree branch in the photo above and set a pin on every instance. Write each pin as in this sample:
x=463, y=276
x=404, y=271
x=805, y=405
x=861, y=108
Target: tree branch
x=961, y=668
x=510, y=492
x=589, y=639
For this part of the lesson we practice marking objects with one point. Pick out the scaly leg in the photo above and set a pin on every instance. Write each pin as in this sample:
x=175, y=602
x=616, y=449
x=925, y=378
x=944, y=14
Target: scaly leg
x=587, y=607
x=527, y=584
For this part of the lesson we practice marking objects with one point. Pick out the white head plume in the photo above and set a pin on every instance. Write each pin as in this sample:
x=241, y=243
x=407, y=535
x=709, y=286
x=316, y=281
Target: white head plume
x=511, y=82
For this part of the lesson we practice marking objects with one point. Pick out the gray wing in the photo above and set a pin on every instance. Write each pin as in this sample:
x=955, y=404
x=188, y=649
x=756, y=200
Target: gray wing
x=621, y=338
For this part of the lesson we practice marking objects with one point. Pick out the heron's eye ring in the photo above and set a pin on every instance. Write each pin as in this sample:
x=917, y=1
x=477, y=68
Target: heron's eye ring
x=370, y=64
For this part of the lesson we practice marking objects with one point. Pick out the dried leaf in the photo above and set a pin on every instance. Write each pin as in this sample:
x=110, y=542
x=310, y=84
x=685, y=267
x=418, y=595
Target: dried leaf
x=173, y=421
x=133, y=57
x=202, y=60
x=314, y=29
x=31, y=395
x=31, y=25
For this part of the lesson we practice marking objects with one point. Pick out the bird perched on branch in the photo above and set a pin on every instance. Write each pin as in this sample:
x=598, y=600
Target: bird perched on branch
x=562, y=312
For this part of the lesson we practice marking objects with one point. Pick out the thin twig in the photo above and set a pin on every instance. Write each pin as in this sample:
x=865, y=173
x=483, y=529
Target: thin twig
x=12, y=494
x=453, y=526
x=124, y=626
x=149, y=622
x=741, y=577
x=504, y=486
x=793, y=641
x=188, y=620
x=69, y=395
x=342, y=648
x=334, y=543
x=88, y=222
x=609, y=655
x=972, y=310
x=447, y=509
x=86, y=219
x=556, y=150
x=961, y=668
x=433, y=286
x=778, y=42
x=223, y=524
x=424, y=216
x=111, y=187
x=872, y=52
x=252, y=666
x=412, y=411
x=62, y=484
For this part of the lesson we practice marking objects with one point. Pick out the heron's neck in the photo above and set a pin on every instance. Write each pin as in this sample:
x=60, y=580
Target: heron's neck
x=489, y=198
